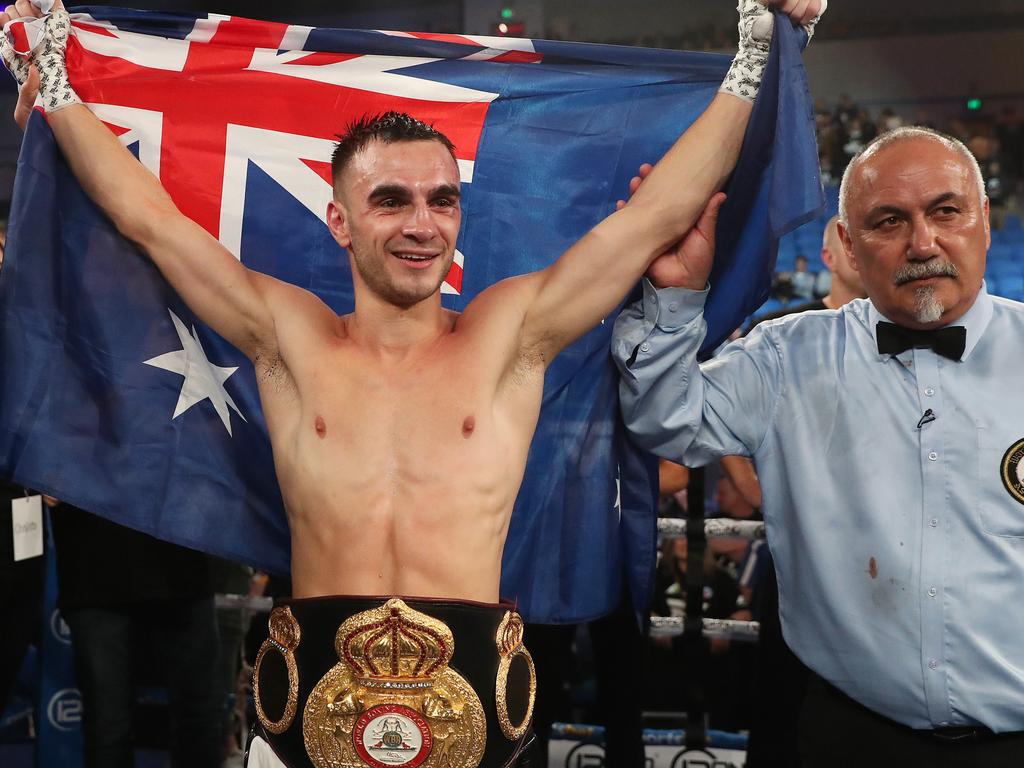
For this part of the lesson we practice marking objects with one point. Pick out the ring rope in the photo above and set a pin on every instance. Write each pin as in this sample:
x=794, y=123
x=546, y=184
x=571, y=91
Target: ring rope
x=714, y=528
x=672, y=626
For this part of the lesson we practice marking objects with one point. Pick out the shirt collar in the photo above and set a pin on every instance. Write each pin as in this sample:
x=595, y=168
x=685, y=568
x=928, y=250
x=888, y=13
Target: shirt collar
x=975, y=320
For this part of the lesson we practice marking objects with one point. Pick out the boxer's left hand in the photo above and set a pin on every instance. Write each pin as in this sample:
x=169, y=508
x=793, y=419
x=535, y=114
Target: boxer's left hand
x=803, y=12
x=26, y=9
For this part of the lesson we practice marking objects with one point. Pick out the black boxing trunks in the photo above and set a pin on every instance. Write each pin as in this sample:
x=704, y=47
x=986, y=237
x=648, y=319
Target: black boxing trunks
x=349, y=682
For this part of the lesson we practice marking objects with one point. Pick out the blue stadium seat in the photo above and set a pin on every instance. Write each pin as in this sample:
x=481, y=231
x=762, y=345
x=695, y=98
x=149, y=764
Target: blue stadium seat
x=1005, y=267
x=1005, y=252
x=1011, y=286
x=772, y=305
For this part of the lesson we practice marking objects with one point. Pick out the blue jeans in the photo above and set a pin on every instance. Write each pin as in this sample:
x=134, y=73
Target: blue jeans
x=186, y=645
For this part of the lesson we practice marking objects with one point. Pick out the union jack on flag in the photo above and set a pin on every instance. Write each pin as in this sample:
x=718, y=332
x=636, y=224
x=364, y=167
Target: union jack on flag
x=115, y=398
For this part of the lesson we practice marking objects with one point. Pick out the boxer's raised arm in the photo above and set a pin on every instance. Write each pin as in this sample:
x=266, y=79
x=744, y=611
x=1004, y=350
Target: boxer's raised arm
x=590, y=279
x=234, y=301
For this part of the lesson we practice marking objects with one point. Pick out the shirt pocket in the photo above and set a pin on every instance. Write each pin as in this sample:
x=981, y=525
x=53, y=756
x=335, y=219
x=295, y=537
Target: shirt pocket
x=1001, y=479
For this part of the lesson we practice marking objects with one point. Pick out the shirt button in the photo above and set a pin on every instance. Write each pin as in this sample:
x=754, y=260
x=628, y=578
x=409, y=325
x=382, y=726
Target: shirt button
x=673, y=307
x=653, y=299
x=933, y=592
x=933, y=456
x=933, y=664
x=933, y=522
x=929, y=391
x=645, y=347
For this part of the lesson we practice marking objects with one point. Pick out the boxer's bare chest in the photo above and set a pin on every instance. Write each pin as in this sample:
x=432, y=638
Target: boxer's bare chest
x=366, y=437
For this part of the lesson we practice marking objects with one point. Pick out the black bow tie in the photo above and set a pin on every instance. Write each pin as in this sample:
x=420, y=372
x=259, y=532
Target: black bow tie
x=948, y=342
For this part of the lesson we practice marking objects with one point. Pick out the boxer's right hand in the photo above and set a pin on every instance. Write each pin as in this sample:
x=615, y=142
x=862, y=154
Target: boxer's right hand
x=26, y=74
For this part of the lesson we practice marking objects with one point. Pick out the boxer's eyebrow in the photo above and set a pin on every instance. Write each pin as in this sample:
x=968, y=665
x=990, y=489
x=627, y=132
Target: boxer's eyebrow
x=446, y=190
x=382, y=191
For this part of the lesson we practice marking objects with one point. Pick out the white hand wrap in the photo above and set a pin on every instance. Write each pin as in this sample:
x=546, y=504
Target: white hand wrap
x=18, y=65
x=55, y=91
x=756, y=26
x=744, y=76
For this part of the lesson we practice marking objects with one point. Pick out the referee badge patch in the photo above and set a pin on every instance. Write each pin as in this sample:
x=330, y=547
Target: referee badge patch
x=1012, y=470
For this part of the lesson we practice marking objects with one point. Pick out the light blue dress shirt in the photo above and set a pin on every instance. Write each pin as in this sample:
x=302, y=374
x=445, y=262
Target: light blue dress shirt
x=899, y=549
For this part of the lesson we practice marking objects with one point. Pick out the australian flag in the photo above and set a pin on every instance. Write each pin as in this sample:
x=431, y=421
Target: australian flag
x=114, y=397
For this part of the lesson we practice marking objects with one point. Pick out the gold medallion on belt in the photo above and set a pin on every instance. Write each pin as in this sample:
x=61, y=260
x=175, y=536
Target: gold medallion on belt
x=392, y=699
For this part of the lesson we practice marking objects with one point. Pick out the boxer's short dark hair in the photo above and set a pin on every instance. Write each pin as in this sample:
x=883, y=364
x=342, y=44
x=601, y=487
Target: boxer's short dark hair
x=388, y=127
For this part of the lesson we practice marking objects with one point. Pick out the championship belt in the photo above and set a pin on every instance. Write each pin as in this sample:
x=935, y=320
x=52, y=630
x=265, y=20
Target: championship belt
x=417, y=683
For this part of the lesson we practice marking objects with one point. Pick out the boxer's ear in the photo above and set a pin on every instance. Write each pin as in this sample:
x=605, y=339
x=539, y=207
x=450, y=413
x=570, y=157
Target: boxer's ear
x=337, y=222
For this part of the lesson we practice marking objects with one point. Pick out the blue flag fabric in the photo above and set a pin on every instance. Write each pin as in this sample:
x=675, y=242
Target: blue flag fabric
x=236, y=119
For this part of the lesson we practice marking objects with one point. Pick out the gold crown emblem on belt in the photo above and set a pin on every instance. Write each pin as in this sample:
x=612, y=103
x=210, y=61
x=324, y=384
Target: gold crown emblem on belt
x=403, y=648
x=392, y=699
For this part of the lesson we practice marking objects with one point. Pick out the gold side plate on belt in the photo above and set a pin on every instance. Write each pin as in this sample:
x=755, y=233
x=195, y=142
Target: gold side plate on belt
x=509, y=640
x=284, y=638
x=392, y=699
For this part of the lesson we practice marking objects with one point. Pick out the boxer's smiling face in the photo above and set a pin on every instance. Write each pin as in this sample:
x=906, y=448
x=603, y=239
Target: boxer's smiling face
x=917, y=231
x=397, y=212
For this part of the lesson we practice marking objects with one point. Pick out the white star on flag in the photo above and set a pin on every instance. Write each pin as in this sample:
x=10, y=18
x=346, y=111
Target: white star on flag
x=203, y=379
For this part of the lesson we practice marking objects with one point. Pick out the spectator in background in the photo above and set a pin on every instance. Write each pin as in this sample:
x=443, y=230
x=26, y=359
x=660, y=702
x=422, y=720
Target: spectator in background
x=732, y=504
x=118, y=591
x=802, y=280
x=716, y=672
x=1010, y=132
x=830, y=146
x=985, y=147
x=846, y=110
x=844, y=281
x=889, y=121
x=859, y=133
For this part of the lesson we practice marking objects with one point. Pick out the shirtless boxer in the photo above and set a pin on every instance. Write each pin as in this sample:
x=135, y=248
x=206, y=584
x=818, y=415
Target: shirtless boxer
x=365, y=418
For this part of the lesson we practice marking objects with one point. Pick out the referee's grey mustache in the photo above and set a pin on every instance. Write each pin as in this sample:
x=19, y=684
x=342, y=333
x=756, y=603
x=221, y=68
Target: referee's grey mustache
x=923, y=269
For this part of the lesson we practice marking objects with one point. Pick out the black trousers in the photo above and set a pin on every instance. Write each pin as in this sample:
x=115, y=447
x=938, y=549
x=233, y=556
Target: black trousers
x=619, y=647
x=104, y=641
x=838, y=732
x=21, y=598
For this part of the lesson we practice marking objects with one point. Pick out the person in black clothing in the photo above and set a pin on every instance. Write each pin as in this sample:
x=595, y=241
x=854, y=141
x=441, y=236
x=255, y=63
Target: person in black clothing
x=21, y=596
x=117, y=588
